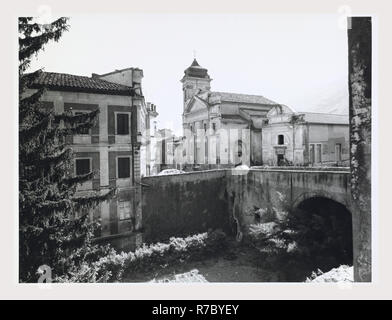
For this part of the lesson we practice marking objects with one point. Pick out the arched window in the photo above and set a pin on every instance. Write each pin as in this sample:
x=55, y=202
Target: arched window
x=280, y=139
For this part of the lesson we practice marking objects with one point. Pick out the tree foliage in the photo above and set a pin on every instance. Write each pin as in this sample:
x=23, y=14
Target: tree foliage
x=54, y=224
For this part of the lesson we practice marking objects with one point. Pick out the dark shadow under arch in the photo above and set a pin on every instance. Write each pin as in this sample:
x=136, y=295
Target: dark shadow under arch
x=329, y=231
x=316, y=194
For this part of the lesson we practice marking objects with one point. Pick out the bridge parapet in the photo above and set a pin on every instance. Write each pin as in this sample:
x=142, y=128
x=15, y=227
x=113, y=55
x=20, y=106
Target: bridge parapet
x=192, y=202
x=302, y=169
x=277, y=188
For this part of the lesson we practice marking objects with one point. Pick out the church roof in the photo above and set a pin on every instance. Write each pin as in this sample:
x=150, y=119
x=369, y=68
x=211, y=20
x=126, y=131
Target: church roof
x=196, y=71
x=242, y=98
x=310, y=117
x=195, y=63
x=325, y=118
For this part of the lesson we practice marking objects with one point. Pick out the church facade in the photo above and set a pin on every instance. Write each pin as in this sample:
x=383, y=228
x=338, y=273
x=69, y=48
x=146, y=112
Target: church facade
x=223, y=129
x=220, y=128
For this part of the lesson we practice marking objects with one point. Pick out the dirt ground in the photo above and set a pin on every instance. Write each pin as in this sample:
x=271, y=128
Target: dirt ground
x=237, y=266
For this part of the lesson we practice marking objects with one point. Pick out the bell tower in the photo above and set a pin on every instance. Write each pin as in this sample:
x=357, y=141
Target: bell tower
x=195, y=80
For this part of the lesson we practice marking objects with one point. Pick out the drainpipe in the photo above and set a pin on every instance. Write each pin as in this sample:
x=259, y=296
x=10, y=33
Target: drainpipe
x=307, y=143
x=132, y=137
x=133, y=160
x=293, y=142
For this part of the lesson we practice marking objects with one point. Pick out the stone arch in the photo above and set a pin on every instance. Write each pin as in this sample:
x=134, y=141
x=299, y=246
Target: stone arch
x=337, y=222
x=318, y=194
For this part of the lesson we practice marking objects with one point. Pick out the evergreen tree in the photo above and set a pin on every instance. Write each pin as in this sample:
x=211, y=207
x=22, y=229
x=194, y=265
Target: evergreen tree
x=54, y=225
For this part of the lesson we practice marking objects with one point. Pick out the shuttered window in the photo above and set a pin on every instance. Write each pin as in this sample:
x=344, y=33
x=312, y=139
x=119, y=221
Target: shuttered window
x=123, y=165
x=83, y=130
x=122, y=123
x=82, y=166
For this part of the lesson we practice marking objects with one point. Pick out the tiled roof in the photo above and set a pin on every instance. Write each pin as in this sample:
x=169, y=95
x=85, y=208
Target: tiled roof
x=73, y=83
x=326, y=118
x=242, y=98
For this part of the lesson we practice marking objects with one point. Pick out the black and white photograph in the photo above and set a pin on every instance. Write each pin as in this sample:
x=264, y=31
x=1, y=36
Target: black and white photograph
x=173, y=147
x=232, y=154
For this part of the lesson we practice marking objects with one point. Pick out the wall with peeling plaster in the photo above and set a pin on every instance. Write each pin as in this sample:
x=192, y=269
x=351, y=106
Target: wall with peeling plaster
x=183, y=204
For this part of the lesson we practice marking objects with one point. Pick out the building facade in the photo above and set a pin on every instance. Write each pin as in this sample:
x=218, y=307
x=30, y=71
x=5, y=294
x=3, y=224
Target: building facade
x=147, y=143
x=168, y=151
x=304, y=138
x=224, y=129
x=221, y=128
x=113, y=147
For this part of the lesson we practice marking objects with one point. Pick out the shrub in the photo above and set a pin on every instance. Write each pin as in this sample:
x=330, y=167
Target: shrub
x=315, y=235
x=114, y=265
x=216, y=242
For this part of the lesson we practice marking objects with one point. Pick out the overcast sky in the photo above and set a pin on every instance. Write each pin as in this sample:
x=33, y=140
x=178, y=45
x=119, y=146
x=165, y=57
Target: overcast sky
x=297, y=60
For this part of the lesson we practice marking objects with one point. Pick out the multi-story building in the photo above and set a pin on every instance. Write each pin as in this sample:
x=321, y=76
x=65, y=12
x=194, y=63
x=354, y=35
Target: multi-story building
x=305, y=138
x=112, y=147
x=168, y=151
x=146, y=151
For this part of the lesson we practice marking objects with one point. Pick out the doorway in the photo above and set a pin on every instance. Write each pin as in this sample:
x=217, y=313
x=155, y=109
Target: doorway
x=280, y=159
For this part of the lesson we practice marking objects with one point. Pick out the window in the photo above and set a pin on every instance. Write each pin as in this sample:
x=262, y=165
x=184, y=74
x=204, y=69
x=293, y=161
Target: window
x=124, y=210
x=311, y=153
x=205, y=127
x=280, y=158
x=239, y=148
x=123, y=165
x=315, y=155
x=122, y=123
x=281, y=139
x=214, y=127
x=338, y=152
x=318, y=153
x=82, y=166
x=83, y=130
